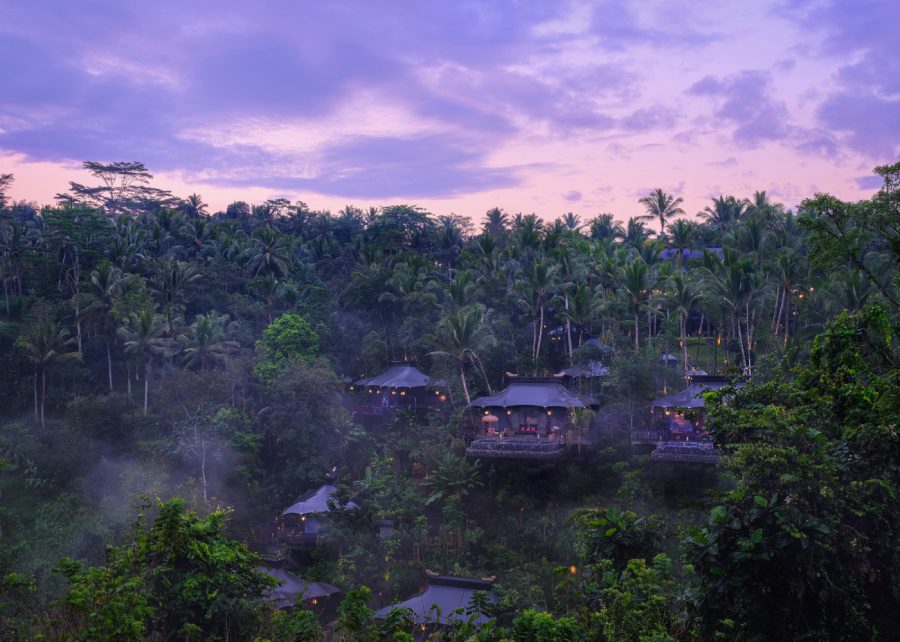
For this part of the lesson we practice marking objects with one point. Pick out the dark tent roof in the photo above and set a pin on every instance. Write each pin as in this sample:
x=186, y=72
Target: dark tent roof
x=448, y=593
x=315, y=501
x=590, y=369
x=533, y=392
x=692, y=396
x=293, y=586
x=689, y=254
x=399, y=375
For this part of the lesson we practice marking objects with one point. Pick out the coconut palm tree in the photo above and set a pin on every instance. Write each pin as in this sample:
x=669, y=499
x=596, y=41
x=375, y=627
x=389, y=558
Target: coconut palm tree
x=635, y=285
x=144, y=338
x=682, y=232
x=205, y=343
x=636, y=234
x=724, y=212
x=496, y=222
x=661, y=207
x=467, y=334
x=46, y=344
x=604, y=226
x=586, y=305
x=102, y=292
x=681, y=295
x=193, y=206
x=535, y=286
x=269, y=252
x=173, y=280
x=571, y=269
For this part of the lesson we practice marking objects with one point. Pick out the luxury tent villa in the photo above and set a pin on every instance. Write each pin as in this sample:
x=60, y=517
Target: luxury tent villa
x=676, y=437
x=301, y=522
x=532, y=418
x=401, y=386
x=446, y=598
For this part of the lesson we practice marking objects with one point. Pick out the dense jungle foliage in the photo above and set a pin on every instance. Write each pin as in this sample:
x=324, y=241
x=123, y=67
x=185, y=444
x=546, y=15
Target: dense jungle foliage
x=173, y=378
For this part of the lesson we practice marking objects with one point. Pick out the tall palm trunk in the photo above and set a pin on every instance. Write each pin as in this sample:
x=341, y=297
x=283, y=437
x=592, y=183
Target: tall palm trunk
x=37, y=415
x=462, y=377
x=146, y=383
x=637, y=333
x=683, y=327
x=43, y=394
x=109, y=364
x=787, y=317
x=568, y=326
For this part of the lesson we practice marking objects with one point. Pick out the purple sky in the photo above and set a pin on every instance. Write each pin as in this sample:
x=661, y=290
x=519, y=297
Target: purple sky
x=457, y=106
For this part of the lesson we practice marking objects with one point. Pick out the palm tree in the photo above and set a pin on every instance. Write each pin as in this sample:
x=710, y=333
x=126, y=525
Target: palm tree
x=661, y=207
x=102, y=292
x=143, y=337
x=205, y=344
x=788, y=266
x=682, y=234
x=635, y=233
x=467, y=333
x=193, y=206
x=604, y=226
x=570, y=270
x=586, y=306
x=270, y=252
x=172, y=281
x=496, y=222
x=725, y=211
x=535, y=286
x=571, y=221
x=636, y=289
x=270, y=288
x=681, y=295
x=45, y=344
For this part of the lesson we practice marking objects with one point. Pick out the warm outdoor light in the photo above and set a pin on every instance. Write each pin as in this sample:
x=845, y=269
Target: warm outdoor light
x=314, y=601
x=573, y=569
x=443, y=397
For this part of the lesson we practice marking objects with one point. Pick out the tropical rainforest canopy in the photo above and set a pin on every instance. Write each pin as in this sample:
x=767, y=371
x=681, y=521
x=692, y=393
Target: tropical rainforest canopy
x=172, y=378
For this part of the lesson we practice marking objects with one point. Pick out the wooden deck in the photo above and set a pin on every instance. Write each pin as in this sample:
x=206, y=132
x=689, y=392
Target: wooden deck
x=686, y=452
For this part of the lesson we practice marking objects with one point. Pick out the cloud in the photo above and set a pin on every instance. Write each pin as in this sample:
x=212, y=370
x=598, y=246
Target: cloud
x=573, y=196
x=869, y=182
x=744, y=101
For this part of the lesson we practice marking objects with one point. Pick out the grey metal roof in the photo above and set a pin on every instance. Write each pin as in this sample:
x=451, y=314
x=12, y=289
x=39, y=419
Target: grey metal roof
x=316, y=501
x=293, y=586
x=446, y=592
x=587, y=370
x=692, y=396
x=399, y=375
x=540, y=393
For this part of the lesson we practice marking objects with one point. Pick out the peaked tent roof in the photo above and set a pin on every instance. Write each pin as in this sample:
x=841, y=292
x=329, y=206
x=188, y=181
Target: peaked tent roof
x=293, y=586
x=536, y=392
x=448, y=593
x=692, y=396
x=400, y=375
x=592, y=368
x=316, y=501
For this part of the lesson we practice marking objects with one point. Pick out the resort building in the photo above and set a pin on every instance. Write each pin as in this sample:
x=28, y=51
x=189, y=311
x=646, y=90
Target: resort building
x=401, y=386
x=532, y=418
x=447, y=598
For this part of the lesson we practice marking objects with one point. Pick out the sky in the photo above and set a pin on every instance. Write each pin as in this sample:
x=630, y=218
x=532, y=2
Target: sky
x=457, y=106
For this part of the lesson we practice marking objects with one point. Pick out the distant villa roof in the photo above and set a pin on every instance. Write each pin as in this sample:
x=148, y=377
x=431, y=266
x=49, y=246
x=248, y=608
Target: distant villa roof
x=316, y=501
x=689, y=254
x=400, y=375
x=447, y=593
x=588, y=370
x=294, y=586
x=542, y=393
x=692, y=396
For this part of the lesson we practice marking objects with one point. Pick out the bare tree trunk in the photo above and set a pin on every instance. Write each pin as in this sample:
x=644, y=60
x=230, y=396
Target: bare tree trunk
x=568, y=326
x=683, y=327
x=109, y=364
x=787, y=318
x=776, y=311
x=43, y=393
x=462, y=377
x=146, y=384
x=637, y=333
x=37, y=415
x=539, y=337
